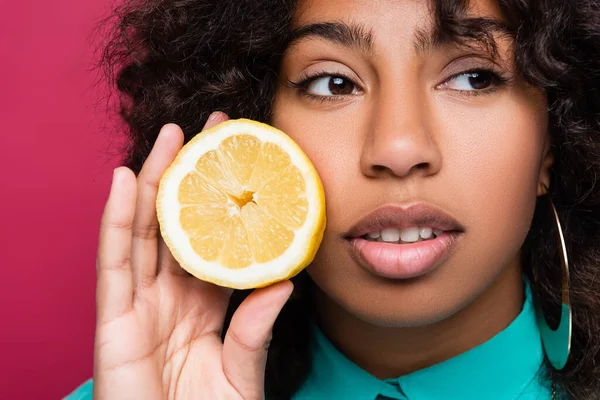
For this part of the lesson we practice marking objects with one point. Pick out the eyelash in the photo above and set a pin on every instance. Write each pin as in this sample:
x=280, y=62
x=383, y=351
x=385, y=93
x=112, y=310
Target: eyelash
x=498, y=79
x=306, y=79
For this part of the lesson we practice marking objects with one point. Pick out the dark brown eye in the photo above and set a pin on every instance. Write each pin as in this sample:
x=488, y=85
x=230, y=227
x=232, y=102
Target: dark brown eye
x=331, y=86
x=340, y=86
x=471, y=81
x=480, y=80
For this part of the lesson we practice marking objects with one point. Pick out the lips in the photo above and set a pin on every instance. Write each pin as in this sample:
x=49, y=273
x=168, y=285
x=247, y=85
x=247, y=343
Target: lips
x=398, y=259
x=397, y=217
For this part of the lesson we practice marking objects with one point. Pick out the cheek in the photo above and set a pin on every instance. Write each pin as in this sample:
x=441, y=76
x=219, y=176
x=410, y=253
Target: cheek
x=493, y=156
x=332, y=143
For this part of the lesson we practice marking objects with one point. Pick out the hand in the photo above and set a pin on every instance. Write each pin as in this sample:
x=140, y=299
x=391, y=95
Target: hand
x=158, y=332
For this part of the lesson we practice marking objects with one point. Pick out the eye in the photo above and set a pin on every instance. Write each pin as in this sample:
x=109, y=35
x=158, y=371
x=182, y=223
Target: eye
x=331, y=86
x=473, y=80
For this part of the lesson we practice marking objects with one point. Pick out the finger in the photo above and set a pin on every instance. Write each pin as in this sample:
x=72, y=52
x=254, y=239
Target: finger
x=166, y=261
x=145, y=224
x=248, y=337
x=114, y=291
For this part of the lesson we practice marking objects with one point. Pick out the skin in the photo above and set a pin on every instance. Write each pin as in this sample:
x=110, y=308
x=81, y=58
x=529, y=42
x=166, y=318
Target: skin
x=158, y=328
x=403, y=139
x=406, y=137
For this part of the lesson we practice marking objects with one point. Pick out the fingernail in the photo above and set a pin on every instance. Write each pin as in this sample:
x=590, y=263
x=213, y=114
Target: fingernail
x=212, y=117
x=163, y=129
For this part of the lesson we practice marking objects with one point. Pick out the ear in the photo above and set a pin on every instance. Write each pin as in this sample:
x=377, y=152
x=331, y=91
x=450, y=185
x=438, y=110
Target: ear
x=546, y=165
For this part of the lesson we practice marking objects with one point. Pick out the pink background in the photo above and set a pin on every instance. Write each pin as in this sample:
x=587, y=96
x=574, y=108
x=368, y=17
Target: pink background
x=55, y=169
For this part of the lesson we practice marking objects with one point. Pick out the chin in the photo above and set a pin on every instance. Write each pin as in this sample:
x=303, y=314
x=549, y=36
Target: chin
x=402, y=309
x=403, y=314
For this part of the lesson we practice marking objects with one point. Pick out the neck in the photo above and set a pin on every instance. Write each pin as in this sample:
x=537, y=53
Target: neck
x=392, y=352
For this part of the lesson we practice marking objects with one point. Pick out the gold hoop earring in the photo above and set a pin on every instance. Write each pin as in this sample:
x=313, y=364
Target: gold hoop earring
x=557, y=342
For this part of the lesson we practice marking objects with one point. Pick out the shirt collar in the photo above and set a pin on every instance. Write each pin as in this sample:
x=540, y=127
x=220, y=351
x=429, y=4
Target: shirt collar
x=501, y=368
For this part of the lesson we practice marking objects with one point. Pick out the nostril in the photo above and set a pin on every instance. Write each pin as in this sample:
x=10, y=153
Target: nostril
x=401, y=169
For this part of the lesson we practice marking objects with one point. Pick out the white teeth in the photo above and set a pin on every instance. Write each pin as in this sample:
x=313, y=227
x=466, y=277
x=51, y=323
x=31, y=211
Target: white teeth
x=406, y=235
x=390, y=235
x=373, y=235
x=425, y=233
x=409, y=235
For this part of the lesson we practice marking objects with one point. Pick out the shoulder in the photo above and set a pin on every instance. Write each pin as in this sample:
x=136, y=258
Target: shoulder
x=83, y=392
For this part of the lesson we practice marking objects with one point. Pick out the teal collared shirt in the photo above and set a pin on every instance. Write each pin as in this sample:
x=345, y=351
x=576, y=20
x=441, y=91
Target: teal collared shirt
x=509, y=366
x=506, y=367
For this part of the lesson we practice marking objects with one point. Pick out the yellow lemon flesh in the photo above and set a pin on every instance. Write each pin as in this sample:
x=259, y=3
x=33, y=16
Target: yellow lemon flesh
x=241, y=206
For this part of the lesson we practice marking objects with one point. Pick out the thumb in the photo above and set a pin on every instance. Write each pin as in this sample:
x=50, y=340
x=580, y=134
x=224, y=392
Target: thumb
x=248, y=337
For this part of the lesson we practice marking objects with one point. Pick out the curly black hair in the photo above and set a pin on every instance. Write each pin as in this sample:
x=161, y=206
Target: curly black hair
x=179, y=60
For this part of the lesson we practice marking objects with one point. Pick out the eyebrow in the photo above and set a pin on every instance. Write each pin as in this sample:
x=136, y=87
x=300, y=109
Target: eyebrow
x=352, y=36
x=466, y=31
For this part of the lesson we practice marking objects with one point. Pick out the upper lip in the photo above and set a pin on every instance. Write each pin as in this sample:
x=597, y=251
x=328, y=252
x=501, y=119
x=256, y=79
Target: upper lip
x=399, y=217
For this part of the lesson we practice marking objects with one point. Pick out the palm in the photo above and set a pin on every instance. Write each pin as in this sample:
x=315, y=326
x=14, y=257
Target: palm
x=186, y=346
x=158, y=331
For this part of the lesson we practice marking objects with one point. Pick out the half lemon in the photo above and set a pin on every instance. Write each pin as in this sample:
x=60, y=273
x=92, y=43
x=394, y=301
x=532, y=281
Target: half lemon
x=241, y=206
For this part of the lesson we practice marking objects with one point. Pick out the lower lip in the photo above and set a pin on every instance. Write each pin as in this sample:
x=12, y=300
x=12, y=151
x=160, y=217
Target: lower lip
x=404, y=261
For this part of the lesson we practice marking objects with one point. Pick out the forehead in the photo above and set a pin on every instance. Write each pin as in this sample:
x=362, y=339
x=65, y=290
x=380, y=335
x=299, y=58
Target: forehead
x=417, y=26
x=404, y=15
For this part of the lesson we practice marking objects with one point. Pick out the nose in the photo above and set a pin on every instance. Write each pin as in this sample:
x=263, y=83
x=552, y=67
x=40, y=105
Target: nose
x=400, y=141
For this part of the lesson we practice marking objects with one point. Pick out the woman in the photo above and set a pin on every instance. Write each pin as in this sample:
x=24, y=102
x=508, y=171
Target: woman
x=470, y=118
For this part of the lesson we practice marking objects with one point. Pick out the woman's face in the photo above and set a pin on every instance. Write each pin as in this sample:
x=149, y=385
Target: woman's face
x=411, y=128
